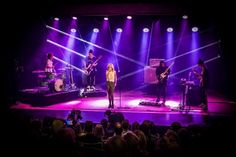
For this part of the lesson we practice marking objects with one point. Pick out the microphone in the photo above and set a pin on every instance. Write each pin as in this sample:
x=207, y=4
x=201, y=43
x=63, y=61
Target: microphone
x=190, y=73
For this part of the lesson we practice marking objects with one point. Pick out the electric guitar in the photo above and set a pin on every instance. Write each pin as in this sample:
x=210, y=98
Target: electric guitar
x=90, y=67
x=165, y=73
x=199, y=76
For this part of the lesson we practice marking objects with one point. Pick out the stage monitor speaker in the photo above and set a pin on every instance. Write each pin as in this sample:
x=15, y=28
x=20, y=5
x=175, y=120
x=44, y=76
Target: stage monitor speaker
x=93, y=93
x=149, y=103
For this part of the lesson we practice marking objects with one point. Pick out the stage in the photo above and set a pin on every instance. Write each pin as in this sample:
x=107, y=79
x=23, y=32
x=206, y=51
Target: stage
x=136, y=106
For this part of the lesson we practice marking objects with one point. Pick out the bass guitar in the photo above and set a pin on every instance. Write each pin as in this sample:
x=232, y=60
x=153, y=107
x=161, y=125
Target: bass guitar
x=91, y=66
x=198, y=75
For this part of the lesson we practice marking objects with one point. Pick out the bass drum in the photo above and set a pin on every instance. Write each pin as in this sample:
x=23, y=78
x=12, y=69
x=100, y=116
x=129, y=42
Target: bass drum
x=56, y=85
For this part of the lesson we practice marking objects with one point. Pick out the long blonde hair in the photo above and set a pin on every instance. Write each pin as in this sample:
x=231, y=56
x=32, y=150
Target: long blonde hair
x=110, y=65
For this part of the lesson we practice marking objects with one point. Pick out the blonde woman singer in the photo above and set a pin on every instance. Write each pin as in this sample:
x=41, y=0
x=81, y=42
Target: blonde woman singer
x=111, y=80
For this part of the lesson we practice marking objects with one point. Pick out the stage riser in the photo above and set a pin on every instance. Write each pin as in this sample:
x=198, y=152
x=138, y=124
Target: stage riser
x=39, y=99
x=44, y=97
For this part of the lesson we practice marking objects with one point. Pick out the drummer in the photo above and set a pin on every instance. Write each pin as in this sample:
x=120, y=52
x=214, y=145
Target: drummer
x=49, y=68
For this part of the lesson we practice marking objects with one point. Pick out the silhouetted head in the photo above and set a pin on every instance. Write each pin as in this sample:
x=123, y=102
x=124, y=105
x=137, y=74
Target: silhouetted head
x=88, y=128
x=107, y=112
x=50, y=56
x=90, y=53
x=162, y=63
x=200, y=62
x=118, y=128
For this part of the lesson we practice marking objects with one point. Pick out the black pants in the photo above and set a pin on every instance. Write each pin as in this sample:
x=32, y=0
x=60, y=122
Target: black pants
x=110, y=91
x=203, y=95
x=91, y=79
x=161, y=91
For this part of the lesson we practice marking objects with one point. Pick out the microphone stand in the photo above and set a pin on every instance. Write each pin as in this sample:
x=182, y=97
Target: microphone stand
x=185, y=92
x=119, y=88
x=72, y=85
x=120, y=93
x=120, y=107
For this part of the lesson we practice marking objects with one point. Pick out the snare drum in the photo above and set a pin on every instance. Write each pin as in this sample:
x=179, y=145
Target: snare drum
x=56, y=85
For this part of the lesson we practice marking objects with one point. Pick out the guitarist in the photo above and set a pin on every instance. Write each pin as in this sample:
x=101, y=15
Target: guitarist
x=203, y=77
x=91, y=68
x=162, y=73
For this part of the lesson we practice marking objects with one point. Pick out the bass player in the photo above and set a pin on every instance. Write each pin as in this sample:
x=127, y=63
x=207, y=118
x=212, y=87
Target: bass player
x=91, y=67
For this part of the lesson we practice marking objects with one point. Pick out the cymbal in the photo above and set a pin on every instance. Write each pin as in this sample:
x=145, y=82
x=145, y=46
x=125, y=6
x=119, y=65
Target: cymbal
x=69, y=68
x=38, y=71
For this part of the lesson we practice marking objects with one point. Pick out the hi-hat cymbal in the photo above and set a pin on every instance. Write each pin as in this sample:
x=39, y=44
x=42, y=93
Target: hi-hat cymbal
x=38, y=71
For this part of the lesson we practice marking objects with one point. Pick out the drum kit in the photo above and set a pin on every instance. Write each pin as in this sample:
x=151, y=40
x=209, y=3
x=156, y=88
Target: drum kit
x=56, y=82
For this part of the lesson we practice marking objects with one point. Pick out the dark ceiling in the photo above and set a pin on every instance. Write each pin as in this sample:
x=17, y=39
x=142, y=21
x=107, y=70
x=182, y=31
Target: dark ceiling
x=26, y=15
x=112, y=7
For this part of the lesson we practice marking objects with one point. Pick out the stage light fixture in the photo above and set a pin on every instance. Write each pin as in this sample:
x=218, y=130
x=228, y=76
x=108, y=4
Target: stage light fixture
x=119, y=30
x=96, y=30
x=73, y=30
x=185, y=17
x=145, y=30
x=129, y=17
x=194, y=29
x=170, y=29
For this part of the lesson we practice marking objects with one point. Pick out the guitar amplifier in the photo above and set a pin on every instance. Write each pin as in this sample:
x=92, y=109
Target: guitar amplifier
x=150, y=75
x=154, y=62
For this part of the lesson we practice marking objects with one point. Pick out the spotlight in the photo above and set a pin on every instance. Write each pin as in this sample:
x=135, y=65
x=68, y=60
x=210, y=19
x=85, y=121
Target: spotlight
x=95, y=30
x=185, y=17
x=56, y=18
x=169, y=29
x=145, y=30
x=129, y=17
x=106, y=18
x=75, y=18
x=73, y=30
x=194, y=29
x=119, y=30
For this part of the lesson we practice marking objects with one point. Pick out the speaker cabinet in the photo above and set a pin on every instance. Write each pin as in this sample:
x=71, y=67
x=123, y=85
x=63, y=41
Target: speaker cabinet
x=150, y=75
